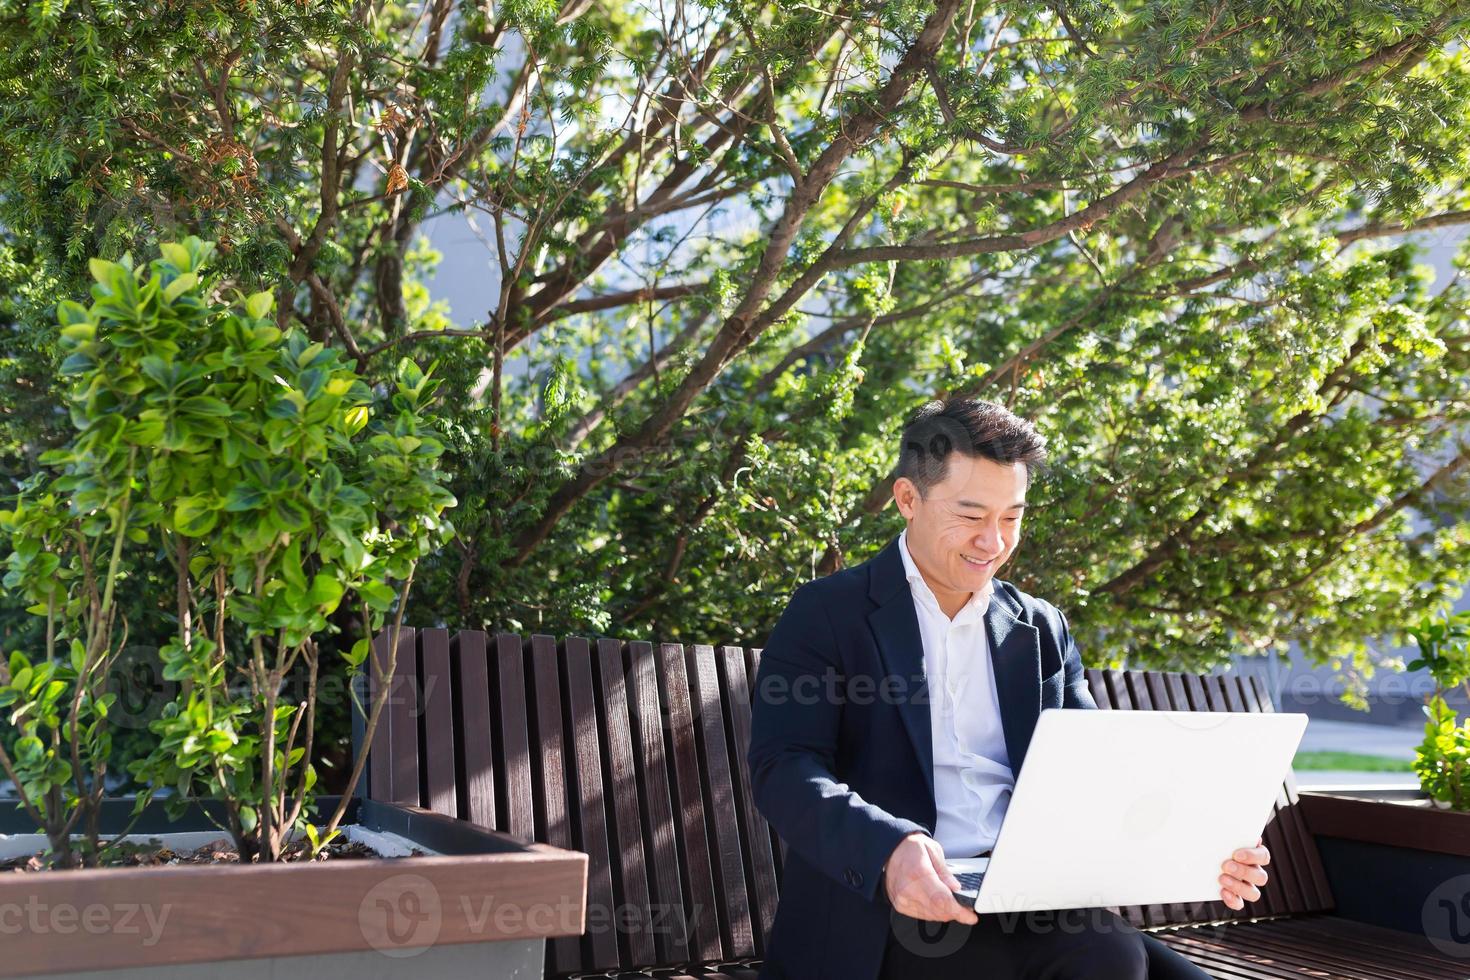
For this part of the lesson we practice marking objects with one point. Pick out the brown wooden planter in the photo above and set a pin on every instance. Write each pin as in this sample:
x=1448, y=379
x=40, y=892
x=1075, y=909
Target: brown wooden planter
x=481, y=887
x=1393, y=859
x=1394, y=818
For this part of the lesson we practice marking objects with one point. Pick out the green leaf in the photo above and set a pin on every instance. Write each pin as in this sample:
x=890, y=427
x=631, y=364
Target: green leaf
x=102, y=270
x=177, y=255
x=376, y=595
x=194, y=516
x=325, y=592
x=180, y=285
x=259, y=304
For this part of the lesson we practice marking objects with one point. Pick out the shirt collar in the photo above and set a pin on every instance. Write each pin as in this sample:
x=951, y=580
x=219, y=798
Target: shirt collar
x=973, y=610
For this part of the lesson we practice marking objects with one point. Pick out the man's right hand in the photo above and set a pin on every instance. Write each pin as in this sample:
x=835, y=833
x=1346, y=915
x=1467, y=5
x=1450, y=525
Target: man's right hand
x=919, y=884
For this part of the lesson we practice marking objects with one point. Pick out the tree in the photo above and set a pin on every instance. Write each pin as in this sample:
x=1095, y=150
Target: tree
x=735, y=243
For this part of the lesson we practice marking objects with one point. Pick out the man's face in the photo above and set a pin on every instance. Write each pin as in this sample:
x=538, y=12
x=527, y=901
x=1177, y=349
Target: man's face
x=967, y=527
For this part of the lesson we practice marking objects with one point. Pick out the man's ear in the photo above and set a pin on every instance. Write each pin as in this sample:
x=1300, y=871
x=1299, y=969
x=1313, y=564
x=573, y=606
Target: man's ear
x=904, y=492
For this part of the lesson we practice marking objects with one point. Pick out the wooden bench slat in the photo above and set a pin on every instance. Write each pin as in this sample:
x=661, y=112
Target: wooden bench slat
x=475, y=734
x=397, y=733
x=630, y=874
x=752, y=666
x=677, y=716
x=656, y=802
x=380, y=753
x=760, y=858
x=508, y=677
x=588, y=805
x=549, y=766
x=1367, y=940
x=1333, y=955
x=438, y=723
x=1311, y=945
x=720, y=802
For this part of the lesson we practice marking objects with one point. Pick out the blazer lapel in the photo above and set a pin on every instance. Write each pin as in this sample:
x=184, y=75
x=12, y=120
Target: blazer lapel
x=895, y=625
x=1015, y=657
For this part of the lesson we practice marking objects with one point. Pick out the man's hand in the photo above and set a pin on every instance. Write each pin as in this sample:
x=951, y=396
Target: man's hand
x=1243, y=875
x=919, y=884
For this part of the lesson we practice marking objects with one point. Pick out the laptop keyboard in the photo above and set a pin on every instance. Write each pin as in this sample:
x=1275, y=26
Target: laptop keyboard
x=970, y=880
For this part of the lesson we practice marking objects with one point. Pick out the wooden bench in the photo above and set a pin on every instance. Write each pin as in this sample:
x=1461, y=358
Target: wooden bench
x=634, y=753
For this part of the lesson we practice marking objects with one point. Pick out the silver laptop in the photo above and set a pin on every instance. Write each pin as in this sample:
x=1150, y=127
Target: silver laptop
x=1131, y=808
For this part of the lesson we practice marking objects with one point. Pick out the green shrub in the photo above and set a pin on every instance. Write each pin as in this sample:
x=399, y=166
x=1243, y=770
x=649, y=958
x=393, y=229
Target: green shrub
x=278, y=485
x=1443, y=758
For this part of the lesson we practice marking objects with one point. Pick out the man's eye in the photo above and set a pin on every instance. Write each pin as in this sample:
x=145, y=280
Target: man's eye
x=1013, y=520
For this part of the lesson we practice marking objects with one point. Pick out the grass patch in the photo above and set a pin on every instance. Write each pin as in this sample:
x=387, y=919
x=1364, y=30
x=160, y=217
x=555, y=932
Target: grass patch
x=1351, y=761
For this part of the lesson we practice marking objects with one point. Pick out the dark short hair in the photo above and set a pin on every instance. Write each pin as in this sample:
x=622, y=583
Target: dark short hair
x=972, y=426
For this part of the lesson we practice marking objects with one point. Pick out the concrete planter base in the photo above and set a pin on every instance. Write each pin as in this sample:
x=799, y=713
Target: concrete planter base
x=478, y=903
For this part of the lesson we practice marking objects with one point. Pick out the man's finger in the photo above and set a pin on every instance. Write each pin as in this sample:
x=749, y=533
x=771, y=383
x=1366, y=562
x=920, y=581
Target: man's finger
x=936, y=861
x=1255, y=874
x=1247, y=891
x=1253, y=855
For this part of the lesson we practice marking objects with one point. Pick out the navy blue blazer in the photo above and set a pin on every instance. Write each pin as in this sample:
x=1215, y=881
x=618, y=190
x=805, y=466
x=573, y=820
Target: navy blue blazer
x=841, y=758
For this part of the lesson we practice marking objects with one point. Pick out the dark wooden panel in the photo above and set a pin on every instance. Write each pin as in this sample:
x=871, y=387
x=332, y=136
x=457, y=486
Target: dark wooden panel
x=380, y=753
x=403, y=723
x=688, y=800
x=760, y=860
x=670, y=923
x=752, y=667
x=630, y=872
x=508, y=677
x=588, y=805
x=438, y=722
x=1098, y=683
x=549, y=770
x=473, y=728
x=721, y=805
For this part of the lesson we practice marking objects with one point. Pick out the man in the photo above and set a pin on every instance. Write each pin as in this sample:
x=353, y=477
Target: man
x=894, y=703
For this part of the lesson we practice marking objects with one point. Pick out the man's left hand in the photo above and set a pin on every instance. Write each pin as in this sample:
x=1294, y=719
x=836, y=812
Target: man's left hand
x=1243, y=874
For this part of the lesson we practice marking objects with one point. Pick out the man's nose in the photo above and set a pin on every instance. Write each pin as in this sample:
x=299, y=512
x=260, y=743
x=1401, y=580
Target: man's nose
x=988, y=542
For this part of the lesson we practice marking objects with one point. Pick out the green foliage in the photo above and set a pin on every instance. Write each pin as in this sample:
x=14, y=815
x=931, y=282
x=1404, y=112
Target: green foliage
x=728, y=252
x=1443, y=758
x=279, y=485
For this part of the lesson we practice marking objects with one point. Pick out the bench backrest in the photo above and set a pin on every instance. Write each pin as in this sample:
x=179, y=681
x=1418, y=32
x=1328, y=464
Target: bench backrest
x=634, y=753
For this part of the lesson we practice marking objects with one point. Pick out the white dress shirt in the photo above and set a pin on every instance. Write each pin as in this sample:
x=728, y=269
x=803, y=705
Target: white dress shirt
x=972, y=772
